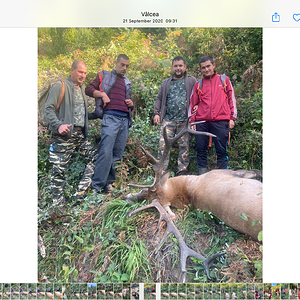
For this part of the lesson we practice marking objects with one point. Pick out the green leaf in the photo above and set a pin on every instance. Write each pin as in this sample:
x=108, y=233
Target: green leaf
x=88, y=248
x=66, y=269
x=124, y=278
x=67, y=253
x=79, y=239
x=258, y=266
x=242, y=216
x=75, y=273
x=206, y=251
x=260, y=236
x=254, y=223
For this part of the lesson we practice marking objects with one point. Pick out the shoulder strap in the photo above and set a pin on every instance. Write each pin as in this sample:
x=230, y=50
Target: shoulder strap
x=61, y=97
x=109, y=78
x=223, y=80
x=199, y=87
x=100, y=79
x=200, y=82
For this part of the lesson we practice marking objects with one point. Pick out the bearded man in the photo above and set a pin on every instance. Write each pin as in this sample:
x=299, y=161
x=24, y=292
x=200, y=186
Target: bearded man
x=171, y=110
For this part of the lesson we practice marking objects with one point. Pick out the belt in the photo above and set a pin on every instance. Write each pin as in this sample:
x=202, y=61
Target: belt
x=77, y=128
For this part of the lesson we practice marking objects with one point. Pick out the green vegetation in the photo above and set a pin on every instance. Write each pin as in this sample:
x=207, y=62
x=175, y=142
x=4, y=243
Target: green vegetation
x=96, y=241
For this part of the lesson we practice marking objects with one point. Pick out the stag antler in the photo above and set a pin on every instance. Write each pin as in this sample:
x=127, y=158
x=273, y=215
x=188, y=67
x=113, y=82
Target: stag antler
x=158, y=164
x=185, y=251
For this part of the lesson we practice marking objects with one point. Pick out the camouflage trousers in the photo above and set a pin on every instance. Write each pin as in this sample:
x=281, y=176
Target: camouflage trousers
x=174, y=128
x=60, y=153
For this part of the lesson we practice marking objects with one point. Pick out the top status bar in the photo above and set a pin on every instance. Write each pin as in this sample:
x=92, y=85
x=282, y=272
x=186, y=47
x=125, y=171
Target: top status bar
x=157, y=13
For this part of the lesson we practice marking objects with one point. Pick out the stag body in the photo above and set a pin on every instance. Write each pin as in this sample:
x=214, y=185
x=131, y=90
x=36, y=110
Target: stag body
x=223, y=192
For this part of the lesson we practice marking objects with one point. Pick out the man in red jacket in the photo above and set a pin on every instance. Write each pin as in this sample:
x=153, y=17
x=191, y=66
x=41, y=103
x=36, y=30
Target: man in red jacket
x=214, y=102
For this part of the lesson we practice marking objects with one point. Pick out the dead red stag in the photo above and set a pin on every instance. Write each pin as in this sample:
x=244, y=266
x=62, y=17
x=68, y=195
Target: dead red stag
x=227, y=194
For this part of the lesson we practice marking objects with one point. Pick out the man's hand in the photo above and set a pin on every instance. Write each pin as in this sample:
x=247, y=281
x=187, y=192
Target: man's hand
x=105, y=99
x=129, y=102
x=195, y=109
x=156, y=119
x=193, y=127
x=64, y=129
x=231, y=124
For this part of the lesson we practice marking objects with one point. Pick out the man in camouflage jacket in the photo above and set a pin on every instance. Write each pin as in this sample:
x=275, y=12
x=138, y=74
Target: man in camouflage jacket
x=171, y=110
x=69, y=127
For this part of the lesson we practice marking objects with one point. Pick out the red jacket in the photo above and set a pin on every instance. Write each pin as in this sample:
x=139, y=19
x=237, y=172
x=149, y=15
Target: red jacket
x=214, y=104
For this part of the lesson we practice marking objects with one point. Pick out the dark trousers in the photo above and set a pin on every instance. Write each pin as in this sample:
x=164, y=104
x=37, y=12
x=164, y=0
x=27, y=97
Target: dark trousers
x=221, y=130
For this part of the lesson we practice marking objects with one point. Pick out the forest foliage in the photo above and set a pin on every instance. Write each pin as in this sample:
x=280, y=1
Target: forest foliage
x=238, y=54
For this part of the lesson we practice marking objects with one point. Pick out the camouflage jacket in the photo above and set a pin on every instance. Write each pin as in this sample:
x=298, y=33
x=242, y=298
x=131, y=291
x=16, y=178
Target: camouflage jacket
x=160, y=107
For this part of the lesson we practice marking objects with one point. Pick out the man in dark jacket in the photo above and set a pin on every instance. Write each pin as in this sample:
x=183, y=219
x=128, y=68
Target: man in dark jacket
x=69, y=127
x=216, y=105
x=171, y=110
x=115, y=91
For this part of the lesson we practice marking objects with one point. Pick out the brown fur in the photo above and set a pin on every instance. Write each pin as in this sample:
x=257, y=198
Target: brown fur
x=223, y=192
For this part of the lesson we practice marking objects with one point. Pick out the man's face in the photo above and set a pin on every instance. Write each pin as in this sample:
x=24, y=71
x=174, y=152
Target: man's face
x=178, y=68
x=78, y=75
x=207, y=68
x=122, y=66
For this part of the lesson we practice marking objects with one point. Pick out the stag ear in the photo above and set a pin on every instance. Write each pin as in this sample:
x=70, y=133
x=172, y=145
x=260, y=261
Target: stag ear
x=164, y=178
x=162, y=181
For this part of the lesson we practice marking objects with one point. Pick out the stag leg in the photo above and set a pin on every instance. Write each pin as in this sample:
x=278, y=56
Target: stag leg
x=185, y=251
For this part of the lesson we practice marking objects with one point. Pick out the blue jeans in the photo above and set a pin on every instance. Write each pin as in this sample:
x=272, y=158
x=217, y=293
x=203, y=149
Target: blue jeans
x=221, y=130
x=110, y=149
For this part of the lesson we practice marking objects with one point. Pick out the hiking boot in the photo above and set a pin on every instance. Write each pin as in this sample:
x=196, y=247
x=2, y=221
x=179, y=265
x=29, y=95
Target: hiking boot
x=183, y=172
x=108, y=189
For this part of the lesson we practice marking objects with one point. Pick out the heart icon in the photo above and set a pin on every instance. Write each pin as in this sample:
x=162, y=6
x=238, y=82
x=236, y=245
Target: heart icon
x=296, y=17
